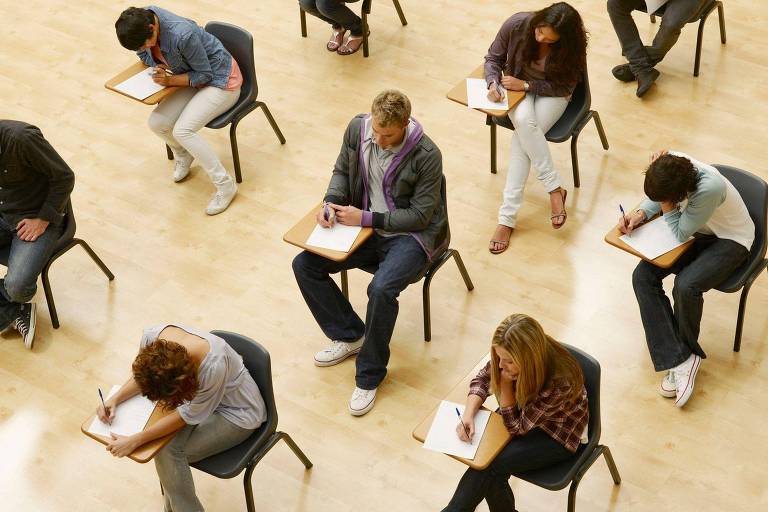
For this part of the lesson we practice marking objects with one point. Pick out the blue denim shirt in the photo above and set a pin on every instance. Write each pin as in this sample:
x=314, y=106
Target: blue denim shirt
x=189, y=49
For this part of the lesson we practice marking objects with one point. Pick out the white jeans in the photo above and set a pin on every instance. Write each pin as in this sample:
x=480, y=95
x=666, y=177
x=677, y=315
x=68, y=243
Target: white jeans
x=179, y=117
x=532, y=118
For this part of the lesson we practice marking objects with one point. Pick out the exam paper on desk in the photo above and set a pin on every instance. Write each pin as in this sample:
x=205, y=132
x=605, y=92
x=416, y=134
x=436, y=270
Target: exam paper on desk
x=131, y=416
x=652, y=239
x=140, y=86
x=442, y=434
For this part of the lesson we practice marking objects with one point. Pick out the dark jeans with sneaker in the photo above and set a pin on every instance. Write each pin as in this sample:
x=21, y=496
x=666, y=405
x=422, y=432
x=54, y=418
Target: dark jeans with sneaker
x=672, y=333
x=534, y=450
x=640, y=57
x=400, y=260
x=25, y=262
x=336, y=13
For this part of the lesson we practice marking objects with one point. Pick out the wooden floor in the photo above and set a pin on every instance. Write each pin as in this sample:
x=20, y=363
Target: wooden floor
x=173, y=263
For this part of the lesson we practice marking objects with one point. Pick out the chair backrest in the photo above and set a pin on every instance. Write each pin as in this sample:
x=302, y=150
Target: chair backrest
x=239, y=43
x=591, y=369
x=754, y=192
x=258, y=363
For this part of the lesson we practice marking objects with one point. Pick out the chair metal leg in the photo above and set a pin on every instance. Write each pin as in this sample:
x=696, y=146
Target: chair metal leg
x=169, y=152
x=493, y=148
x=572, y=493
x=271, y=120
x=95, y=258
x=653, y=18
x=400, y=12
x=575, y=158
x=365, y=33
x=740, y=317
x=721, y=18
x=303, y=18
x=295, y=449
x=49, y=297
x=344, y=284
x=235, y=152
x=249, y=505
x=699, y=37
x=463, y=271
x=427, y=309
x=611, y=465
x=600, y=130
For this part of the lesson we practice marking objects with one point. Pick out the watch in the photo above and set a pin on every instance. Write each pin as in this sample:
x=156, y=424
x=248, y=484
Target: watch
x=526, y=86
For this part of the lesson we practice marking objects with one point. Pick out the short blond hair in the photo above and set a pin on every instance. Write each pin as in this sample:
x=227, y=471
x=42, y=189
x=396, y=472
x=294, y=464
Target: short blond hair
x=391, y=107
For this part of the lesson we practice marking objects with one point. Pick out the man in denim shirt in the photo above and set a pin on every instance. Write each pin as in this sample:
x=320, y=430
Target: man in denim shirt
x=35, y=184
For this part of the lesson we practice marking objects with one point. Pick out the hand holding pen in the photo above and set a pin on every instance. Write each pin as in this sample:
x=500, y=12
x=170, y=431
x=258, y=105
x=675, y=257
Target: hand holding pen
x=106, y=413
x=326, y=216
x=465, y=431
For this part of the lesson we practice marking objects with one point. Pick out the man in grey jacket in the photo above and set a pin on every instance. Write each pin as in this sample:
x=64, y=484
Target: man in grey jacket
x=388, y=176
x=643, y=59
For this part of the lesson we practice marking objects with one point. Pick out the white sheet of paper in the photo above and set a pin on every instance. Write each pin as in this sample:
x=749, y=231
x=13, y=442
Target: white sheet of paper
x=477, y=96
x=652, y=239
x=653, y=5
x=140, y=85
x=338, y=237
x=130, y=417
x=442, y=434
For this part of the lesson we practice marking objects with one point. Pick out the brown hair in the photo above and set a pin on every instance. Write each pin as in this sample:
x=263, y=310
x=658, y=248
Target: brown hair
x=391, y=107
x=670, y=178
x=540, y=358
x=165, y=372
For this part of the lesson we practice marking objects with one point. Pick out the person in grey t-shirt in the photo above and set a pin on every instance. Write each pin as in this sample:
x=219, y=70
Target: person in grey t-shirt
x=216, y=404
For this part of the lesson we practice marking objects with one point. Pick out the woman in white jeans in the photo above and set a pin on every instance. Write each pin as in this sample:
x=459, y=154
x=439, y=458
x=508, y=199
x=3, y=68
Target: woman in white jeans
x=216, y=405
x=184, y=55
x=544, y=54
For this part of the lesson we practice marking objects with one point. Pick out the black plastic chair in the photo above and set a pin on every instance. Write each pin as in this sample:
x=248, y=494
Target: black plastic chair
x=572, y=470
x=238, y=42
x=754, y=192
x=365, y=11
x=427, y=273
x=246, y=455
x=576, y=116
x=701, y=17
x=66, y=241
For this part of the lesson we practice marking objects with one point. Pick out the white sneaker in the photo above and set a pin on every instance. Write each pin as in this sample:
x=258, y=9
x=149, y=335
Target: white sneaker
x=362, y=401
x=337, y=351
x=181, y=168
x=222, y=198
x=685, y=375
x=667, y=389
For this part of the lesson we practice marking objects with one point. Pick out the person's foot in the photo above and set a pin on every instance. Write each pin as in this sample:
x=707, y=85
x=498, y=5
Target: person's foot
x=623, y=73
x=352, y=45
x=337, y=351
x=645, y=80
x=685, y=375
x=337, y=37
x=500, y=240
x=181, y=167
x=25, y=323
x=362, y=401
x=557, y=203
x=667, y=389
x=222, y=197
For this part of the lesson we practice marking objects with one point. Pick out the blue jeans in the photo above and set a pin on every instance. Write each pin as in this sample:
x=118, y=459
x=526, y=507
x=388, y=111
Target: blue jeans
x=336, y=13
x=672, y=334
x=400, y=260
x=534, y=450
x=25, y=262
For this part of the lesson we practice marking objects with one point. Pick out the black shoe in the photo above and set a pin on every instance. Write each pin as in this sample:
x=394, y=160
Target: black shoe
x=645, y=80
x=623, y=73
x=25, y=323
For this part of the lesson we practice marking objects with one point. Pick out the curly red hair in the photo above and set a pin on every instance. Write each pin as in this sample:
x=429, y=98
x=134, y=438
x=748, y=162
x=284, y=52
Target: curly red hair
x=165, y=373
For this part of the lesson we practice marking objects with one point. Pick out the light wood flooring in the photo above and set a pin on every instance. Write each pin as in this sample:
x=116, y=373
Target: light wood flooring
x=173, y=263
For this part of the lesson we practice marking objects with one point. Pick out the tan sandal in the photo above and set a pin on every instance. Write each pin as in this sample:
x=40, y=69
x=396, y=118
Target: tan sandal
x=337, y=38
x=503, y=243
x=562, y=215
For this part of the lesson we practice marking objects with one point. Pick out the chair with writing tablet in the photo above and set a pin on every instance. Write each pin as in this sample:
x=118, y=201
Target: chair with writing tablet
x=576, y=116
x=365, y=11
x=427, y=273
x=754, y=192
x=701, y=16
x=571, y=471
x=239, y=43
x=246, y=455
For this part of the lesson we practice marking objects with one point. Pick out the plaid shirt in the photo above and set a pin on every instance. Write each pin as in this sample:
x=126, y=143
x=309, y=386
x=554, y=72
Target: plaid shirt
x=564, y=422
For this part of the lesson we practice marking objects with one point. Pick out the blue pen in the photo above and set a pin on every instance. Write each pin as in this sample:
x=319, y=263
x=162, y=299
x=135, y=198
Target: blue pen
x=466, y=431
x=624, y=216
x=327, y=215
x=102, y=401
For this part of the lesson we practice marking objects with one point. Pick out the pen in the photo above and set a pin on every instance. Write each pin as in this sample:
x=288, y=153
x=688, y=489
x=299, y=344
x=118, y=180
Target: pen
x=327, y=213
x=466, y=431
x=102, y=401
x=624, y=216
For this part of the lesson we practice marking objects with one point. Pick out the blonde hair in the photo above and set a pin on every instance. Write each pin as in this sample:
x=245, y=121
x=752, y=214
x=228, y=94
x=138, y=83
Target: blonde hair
x=540, y=358
x=391, y=107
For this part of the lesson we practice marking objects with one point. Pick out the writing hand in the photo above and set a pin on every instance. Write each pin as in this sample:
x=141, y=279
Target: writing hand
x=106, y=414
x=462, y=433
x=321, y=215
x=348, y=215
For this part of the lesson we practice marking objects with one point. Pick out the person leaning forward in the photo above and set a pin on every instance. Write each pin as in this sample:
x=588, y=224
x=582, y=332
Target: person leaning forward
x=388, y=176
